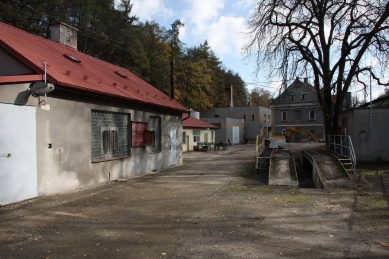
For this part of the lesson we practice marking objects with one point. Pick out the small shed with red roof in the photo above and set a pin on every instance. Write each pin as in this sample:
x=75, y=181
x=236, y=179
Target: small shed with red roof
x=197, y=133
x=69, y=120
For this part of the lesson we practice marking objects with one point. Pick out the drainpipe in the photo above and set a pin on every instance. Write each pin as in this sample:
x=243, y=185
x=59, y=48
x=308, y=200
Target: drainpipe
x=188, y=112
x=371, y=109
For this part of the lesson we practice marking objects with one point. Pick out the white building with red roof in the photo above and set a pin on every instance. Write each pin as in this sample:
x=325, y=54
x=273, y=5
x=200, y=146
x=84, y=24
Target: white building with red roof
x=69, y=120
x=197, y=133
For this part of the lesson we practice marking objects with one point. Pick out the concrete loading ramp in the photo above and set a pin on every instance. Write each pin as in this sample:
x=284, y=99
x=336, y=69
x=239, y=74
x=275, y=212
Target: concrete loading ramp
x=282, y=169
x=327, y=170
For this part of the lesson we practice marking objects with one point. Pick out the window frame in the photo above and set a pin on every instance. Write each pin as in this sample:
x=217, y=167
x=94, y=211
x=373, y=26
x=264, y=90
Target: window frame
x=157, y=142
x=196, y=138
x=118, y=146
x=282, y=116
x=112, y=143
x=312, y=118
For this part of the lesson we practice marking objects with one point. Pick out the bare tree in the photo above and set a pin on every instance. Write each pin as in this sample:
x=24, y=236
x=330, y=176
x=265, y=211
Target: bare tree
x=332, y=40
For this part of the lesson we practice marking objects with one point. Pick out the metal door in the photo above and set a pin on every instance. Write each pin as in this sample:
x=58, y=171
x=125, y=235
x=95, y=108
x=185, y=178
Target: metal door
x=235, y=134
x=173, y=147
x=18, y=164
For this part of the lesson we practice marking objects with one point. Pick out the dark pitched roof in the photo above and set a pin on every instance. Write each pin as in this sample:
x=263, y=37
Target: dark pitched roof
x=89, y=75
x=192, y=122
x=333, y=97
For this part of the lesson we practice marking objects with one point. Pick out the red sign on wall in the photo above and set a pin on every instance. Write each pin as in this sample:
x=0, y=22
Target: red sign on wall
x=138, y=132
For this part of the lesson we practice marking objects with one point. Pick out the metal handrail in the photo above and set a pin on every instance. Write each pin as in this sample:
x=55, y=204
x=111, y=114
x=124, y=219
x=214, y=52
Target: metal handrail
x=344, y=147
x=259, y=145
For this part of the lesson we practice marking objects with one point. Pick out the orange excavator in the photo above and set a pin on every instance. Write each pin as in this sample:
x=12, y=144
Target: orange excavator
x=291, y=131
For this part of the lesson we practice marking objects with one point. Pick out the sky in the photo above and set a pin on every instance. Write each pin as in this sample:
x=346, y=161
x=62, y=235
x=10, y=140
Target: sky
x=223, y=24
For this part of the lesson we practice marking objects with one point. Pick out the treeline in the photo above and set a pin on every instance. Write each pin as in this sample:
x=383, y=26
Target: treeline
x=146, y=49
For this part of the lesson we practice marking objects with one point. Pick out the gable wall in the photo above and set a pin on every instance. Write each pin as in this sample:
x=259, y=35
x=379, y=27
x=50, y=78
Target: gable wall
x=11, y=66
x=284, y=103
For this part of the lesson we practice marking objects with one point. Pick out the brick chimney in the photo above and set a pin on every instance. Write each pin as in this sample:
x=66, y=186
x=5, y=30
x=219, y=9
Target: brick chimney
x=228, y=95
x=64, y=33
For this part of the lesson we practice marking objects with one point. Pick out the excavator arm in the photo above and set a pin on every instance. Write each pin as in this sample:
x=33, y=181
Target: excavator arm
x=291, y=131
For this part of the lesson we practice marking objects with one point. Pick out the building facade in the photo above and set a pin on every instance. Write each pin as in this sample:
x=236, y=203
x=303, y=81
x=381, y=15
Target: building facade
x=367, y=129
x=69, y=120
x=197, y=133
x=251, y=121
x=298, y=106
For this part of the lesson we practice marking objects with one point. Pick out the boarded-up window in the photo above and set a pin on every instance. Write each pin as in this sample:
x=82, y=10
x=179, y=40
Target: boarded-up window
x=138, y=134
x=110, y=135
x=155, y=126
x=114, y=143
x=105, y=141
x=109, y=140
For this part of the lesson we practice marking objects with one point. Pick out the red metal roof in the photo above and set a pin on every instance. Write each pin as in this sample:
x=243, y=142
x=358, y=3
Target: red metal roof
x=91, y=75
x=192, y=122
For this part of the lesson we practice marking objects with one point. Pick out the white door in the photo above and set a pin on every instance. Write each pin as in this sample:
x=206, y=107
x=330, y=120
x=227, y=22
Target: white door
x=173, y=147
x=235, y=134
x=18, y=170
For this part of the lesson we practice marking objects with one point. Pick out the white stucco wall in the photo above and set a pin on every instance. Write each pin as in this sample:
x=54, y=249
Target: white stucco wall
x=67, y=165
x=189, y=133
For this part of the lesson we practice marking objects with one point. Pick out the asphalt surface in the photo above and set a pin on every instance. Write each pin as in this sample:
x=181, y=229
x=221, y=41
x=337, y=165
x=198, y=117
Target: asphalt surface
x=213, y=206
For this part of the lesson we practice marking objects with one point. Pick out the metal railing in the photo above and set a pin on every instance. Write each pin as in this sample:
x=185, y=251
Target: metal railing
x=342, y=144
x=259, y=145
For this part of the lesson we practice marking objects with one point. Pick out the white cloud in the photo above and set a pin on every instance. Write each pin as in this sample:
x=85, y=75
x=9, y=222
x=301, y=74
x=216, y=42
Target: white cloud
x=151, y=10
x=225, y=35
x=203, y=11
x=204, y=22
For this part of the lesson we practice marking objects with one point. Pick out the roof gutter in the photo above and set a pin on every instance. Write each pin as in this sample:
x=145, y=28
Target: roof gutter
x=188, y=112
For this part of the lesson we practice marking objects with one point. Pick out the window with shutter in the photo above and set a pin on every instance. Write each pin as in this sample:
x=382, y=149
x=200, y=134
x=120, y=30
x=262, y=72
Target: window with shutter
x=105, y=141
x=109, y=140
x=110, y=135
x=149, y=138
x=115, y=144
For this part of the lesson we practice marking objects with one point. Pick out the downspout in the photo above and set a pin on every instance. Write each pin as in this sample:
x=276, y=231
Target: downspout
x=188, y=112
x=371, y=109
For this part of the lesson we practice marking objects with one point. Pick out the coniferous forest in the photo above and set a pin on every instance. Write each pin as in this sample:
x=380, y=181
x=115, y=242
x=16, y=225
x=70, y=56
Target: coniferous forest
x=113, y=34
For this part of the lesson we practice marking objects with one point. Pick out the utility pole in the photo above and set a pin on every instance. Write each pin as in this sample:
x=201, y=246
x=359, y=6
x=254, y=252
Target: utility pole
x=172, y=75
